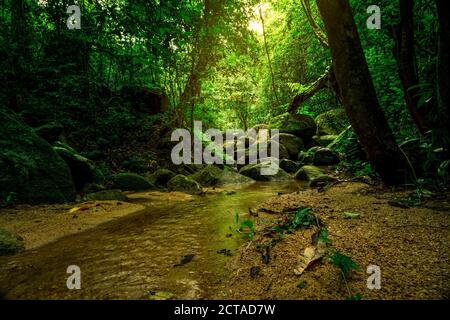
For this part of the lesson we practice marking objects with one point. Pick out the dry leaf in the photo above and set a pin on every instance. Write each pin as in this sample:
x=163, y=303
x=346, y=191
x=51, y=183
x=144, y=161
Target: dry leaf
x=74, y=210
x=310, y=255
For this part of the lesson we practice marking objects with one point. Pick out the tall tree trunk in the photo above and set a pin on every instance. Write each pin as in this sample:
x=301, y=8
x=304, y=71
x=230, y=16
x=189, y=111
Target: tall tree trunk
x=358, y=92
x=406, y=60
x=266, y=46
x=443, y=72
x=201, y=58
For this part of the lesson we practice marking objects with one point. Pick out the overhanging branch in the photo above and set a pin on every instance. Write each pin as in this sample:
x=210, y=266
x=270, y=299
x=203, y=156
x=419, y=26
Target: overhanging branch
x=322, y=82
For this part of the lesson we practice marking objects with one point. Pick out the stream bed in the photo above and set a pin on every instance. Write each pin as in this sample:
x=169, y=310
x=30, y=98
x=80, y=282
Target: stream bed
x=132, y=256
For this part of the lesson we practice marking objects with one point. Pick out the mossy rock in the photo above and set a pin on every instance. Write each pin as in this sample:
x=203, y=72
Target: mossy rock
x=30, y=168
x=83, y=170
x=289, y=166
x=302, y=126
x=213, y=176
x=254, y=171
x=131, y=182
x=308, y=173
x=10, y=243
x=332, y=122
x=305, y=157
x=293, y=144
x=325, y=157
x=325, y=140
x=106, y=195
x=270, y=147
x=314, y=176
x=163, y=176
x=184, y=184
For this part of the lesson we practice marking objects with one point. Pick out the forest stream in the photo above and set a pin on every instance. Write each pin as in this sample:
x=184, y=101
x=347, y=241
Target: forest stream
x=138, y=254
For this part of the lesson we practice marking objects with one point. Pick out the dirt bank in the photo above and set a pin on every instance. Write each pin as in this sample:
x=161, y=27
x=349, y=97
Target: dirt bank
x=410, y=245
x=39, y=225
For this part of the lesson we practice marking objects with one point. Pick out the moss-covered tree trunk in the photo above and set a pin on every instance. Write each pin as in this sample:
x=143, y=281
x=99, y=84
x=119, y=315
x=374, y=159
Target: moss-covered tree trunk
x=358, y=92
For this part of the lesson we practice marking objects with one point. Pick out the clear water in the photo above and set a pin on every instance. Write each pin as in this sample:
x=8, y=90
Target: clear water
x=129, y=257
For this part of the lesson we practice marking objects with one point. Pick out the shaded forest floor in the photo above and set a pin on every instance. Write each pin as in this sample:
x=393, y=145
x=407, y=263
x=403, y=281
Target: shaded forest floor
x=410, y=245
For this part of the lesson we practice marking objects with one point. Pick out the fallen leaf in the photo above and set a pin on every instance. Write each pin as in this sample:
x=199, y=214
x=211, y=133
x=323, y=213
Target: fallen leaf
x=351, y=215
x=74, y=210
x=160, y=295
x=310, y=255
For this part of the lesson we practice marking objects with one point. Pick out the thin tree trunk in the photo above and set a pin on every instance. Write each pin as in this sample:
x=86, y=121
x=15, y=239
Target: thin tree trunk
x=358, y=92
x=404, y=53
x=274, y=89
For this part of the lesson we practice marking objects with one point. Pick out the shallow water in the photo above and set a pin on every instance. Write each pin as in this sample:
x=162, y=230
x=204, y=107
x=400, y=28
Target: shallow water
x=129, y=257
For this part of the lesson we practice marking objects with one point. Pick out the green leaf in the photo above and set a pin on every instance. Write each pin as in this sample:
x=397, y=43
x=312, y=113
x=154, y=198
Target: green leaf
x=343, y=262
x=355, y=297
x=323, y=236
x=351, y=215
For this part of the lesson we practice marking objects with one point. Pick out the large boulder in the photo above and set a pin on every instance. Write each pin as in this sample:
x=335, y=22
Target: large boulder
x=267, y=147
x=29, y=167
x=163, y=176
x=254, y=171
x=325, y=141
x=10, y=243
x=213, y=176
x=270, y=146
x=305, y=157
x=325, y=157
x=292, y=144
x=313, y=175
x=83, y=170
x=289, y=166
x=302, y=126
x=184, y=184
x=131, y=182
x=332, y=122
x=308, y=173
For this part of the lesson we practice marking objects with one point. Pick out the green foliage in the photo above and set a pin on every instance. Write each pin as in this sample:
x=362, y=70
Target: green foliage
x=355, y=297
x=302, y=218
x=323, y=236
x=444, y=170
x=246, y=227
x=343, y=262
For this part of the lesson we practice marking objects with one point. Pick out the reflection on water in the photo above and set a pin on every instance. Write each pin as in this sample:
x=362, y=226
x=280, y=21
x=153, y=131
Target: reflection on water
x=127, y=258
